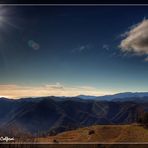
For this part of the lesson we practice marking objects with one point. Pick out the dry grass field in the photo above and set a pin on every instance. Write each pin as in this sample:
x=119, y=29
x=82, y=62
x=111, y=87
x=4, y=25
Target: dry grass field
x=101, y=133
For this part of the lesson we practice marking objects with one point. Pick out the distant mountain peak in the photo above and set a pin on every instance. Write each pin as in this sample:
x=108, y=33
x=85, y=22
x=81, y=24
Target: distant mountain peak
x=86, y=97
x=115, y=96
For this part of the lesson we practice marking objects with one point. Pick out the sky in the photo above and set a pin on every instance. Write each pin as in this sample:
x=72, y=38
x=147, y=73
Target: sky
x=73, y=50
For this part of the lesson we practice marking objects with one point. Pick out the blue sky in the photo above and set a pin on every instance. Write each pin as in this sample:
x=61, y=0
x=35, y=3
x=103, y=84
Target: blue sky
x=71, y=48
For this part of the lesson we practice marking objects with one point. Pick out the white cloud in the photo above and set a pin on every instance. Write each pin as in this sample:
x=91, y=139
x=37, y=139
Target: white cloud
x=54, y=86
x=136, y=39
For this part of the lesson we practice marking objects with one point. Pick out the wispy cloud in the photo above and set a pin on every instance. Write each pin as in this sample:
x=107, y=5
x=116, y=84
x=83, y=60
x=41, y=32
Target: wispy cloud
x=81, y=48
x=54, y=86
x=136, y=39
x=146, y=59
x=105, y=46
x=18, y=91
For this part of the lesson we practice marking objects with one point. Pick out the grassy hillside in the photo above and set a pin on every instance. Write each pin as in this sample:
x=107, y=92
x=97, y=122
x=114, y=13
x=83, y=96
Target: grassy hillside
x=102, y=133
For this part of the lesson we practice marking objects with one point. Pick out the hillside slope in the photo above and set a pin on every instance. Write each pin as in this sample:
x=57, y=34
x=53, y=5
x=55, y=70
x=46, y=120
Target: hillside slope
x=50, y=115
x=102, y=133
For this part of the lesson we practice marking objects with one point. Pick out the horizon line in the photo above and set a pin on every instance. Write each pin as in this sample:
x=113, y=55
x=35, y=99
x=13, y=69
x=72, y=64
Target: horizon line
x=25, y=97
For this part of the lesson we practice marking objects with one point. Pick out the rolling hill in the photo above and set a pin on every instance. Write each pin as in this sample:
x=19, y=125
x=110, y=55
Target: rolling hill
x=101, y=133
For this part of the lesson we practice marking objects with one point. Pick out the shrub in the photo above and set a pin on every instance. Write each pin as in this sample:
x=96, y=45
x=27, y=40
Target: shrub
x=55, y=141
x=91, y=132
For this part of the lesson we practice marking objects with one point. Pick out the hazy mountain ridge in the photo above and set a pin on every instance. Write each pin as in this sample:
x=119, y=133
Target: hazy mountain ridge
x=122, y=96
x=115, y=97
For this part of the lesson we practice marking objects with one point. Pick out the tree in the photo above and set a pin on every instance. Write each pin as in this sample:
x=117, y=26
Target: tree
x=143, y=119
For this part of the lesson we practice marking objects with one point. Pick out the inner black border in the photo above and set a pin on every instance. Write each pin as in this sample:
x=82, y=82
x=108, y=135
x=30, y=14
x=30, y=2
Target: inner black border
x=73, y=2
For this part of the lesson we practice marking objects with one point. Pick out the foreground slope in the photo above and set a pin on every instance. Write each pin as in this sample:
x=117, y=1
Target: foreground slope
x=102, y=133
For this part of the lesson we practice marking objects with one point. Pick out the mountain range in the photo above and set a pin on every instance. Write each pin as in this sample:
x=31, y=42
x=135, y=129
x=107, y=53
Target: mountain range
x=116, y=96
x=51, y=115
